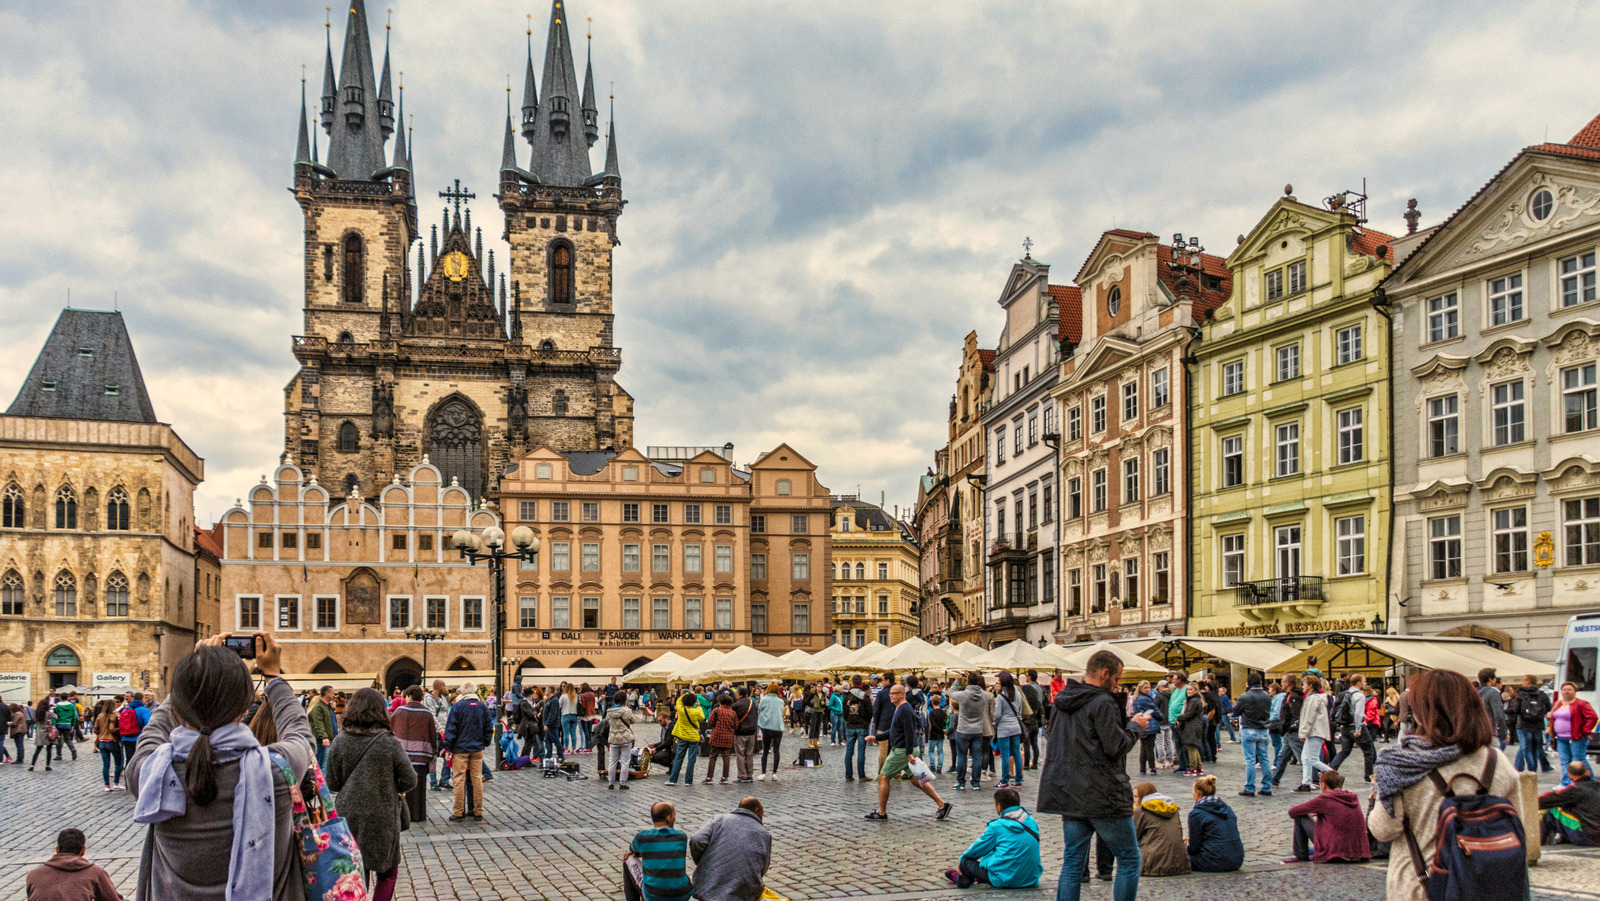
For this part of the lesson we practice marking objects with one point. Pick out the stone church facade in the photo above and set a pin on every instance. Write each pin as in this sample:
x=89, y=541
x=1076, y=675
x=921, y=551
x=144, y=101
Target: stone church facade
x=413, y=349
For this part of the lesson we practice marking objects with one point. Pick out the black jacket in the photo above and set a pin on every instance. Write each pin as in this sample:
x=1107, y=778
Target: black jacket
x=857, y=708
x=1290, y=711
x=744, y=709
x=1581, y=800
x=902, y=732
x=1254, y=708
x=1192, y=721
x=1532, y=705
x=1085, y=772
x=882, y=710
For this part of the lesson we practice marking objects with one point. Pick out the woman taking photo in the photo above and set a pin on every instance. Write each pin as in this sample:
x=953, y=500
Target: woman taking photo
x=108, y=740
x=201, y=780
x=1451, y=736
x=371, y=772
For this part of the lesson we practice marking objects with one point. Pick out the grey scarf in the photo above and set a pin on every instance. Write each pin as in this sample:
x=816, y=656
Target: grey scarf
x=1400, y=768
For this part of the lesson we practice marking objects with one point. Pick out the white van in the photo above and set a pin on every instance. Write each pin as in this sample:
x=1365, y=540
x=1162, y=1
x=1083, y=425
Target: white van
x=1580, y=659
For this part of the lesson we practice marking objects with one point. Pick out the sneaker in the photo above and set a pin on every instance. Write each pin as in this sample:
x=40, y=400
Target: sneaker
x=875, y=815
x=961, y=788
x=1263, y=794
x=672, y=783
x=623, y=786
x=954, y=876
x=457, y=819
x=1247, y=794
x=762, y=777
x=106, y=789
x=1303, y=789
x=706, y=781
x=478, y=817
x=944, y=811
x=611, y=785
x=773, y=777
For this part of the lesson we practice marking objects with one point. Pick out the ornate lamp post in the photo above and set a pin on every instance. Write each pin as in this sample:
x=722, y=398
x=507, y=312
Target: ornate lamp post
x=424, y=635
x=489, y=547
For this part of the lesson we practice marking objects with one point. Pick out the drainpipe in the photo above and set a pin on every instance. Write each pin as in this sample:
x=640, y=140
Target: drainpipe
x=1054, y=440
x=1188, y=359
x=1380, y=303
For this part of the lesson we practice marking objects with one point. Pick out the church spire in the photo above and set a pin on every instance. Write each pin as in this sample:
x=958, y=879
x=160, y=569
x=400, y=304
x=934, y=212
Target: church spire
x=591, y=115
x=530, y=93
x=302, y=150
x=557, y=158
x=356, y=149
x=611, y=143
x=330, y=88
x=385, y=98
x=401, y=159
x=508, y=154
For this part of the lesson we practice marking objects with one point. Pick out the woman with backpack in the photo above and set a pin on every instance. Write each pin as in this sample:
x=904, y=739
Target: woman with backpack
x=108, y=740
x=1453, y=740
x=371, y=771
x=1009, y=708
x=201, y=780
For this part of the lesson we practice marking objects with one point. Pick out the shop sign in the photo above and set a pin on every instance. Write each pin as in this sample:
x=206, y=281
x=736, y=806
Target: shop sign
x=16, y=688
x=1294, y=627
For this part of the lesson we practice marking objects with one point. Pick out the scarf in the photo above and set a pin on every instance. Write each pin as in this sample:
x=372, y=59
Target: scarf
x=161, y=797
x=1400, y=768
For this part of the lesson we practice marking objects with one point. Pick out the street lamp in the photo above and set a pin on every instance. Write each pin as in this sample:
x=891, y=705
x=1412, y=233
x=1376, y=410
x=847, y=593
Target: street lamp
x=1166, y=631
x=489, y=547
x=424, y=635
x=1377, y=624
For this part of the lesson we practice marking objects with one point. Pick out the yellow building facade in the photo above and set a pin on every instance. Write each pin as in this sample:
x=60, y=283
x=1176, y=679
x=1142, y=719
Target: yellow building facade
x=876, y=594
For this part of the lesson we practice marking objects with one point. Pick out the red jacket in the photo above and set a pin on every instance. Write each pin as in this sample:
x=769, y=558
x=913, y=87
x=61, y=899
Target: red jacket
x=1341, y=832
x=1583, y=719
x=721, y=724
x=1372, y=711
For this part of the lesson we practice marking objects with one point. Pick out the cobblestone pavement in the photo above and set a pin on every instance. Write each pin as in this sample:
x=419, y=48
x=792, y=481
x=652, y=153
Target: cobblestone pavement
x=560, y=839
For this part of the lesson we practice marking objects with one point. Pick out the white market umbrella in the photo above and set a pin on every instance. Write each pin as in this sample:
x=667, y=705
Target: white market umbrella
x=968, y=651
x=1132, y=664
x=795, y=657
x=857, y=661
x=917, y=656
x=657, y=670
x=745, y=662
x=691, y=671
x=1018, y=655
x=814, y=665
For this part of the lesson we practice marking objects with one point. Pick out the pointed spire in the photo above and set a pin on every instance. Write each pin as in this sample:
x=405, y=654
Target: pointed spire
x=385, y=98
x=401, y=159
x=411, y=156
x=477, y=244
x=516, y=311
x=591, y=114
x=558, y=159
x=491, y=274
x=530, y=93
x=356, y=149
x=611, y=142
x=330, y=87
x=508, y=153
x=422, y=275
x=302, y=150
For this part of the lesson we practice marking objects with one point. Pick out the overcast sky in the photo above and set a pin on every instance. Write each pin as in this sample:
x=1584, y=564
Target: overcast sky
x=823, y=197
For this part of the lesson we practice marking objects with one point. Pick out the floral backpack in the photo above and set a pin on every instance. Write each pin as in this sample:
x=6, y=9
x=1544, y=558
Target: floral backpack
x=328, y=851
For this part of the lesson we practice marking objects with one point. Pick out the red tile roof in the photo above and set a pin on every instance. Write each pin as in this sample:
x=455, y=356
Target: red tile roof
x=1588, y=136
x=986, y=357
x=1368, y=241
x=1210, y=265
x=209, y=540
x=1129, y=233
x=1069, y=301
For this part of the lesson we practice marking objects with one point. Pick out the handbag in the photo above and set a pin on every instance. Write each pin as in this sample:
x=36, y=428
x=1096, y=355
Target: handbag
x=54, y=734
x=328, y=850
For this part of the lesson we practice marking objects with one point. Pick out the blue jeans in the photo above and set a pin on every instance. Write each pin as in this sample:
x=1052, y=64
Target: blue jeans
x=1117, y=833
x=1570, y=749
x=936, y=753
x=586, y=729
x=1530, y=751
x=1256, y=742
x=1010, y=748
x=686, y=751
x=569, y=731
x=322, y=756
x=836, y=734
x=110, y=752
x=1311, y=762
x=1277, y=748
x=968, y=748
x=855, y=752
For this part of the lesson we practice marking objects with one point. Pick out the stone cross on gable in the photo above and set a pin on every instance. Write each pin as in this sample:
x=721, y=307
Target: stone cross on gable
x=1027, y=247
x=456, y=195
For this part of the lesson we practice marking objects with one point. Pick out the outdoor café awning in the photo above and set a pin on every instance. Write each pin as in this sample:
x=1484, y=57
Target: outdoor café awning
x=1262, y=654
x=1364, y=652
x=345, y=682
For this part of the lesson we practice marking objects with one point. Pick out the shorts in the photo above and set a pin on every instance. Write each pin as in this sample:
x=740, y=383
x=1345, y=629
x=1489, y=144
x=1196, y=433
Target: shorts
x=896, y=763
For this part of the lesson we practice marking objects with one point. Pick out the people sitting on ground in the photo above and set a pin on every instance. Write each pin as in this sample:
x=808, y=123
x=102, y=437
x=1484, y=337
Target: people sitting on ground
x=731, y=854
x=660, y=853
x=1006, y=855
x=1331, y=827
x=1155, y=822
x=68, y=876
x=1214, y=843
x=1572, y=814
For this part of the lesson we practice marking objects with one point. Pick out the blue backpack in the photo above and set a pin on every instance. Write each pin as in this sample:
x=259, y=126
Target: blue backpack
x=1481, y=851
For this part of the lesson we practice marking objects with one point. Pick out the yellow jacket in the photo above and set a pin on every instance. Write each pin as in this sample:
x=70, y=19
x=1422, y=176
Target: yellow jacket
x=686, y=727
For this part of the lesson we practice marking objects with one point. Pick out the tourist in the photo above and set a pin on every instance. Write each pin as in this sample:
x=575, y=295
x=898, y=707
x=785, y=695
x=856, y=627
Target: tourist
x=918, y=701
x=1006, y=855
x=1166, y=754
x=719, y=730
x=1143, y=700
x=322, y=724
x=969, y=705
x=202, y=791
x=1007, y=711
x=1274, y=725
x=901, y=737
x=1489, y=691
x=745, y=734
x=1572, y=814
x=662, y=852
x=467, y=732
x=1391, y=714
x=131, y=720
x=371, y=771
x=1331, y=828
x=68, y=876
x=731, y=855
x=551, y=722
x=570, y=714
x=108, y=740
x=938, y=723
x=1211, y=702
x=857, y=704
x=1525, y=714
x=1214, y=843
x=1255, y=709
x=437, y=703
x=66, y=716
x=412, y=725
x=586, y=717
x=769, y=719
x=816, y=707
x=1289, y=723
x=42, y=739
x=1085, y=776
x=17, y=717
x=1571, y=720
x=686, y=729
x=835, y=717
x=619, y=736
x=1451, y=735
x=1162, y=851
x=797, y=707
x=1191, y=722
x=1315, y=731
x=882, y=713
x=525, y=719
x=1354, y=731
x=1225, y=706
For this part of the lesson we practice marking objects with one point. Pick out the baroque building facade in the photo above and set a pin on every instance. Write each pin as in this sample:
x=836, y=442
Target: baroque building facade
x=876, y=585
x=1290, y=419
x=452, y=360
x=961, y=554
x=1497, y=462
x=97, y=552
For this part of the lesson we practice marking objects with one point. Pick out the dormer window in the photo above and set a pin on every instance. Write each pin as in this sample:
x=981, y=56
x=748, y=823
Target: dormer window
x=86, y=352
x=113, y=390
x=47, y=385
x=1114, y=300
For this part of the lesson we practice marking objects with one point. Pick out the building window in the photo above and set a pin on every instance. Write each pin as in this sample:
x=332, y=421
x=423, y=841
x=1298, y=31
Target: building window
x=561, y=613
x=658, y=514
x=561, y=556
x=1074, y=423
x=66, y=508
x=691, y=514
x=801, y=568
x=314, y=542
x=12, y=508
x=707, y=474
x=1232, y=560
x=1130, y=401
x=758, y=567
x=13, y=594
x=1232, y=461
x=1508, y=412
x=1160, y=577
x=1505, y=299
x=725, y=614
x=1033, y=510
x=1444, y=547
x=630, y=558
x=1444, y=436
x=1017, y=585
x=1274, y=285
x=560, y=511
x=327, y=613
x=528, y=511
x=117, y=510
x=1000, y=445
x=691, y=558
x=861, y=605
x=1444, y=318
x=354, y=270
x=661, y=613
x=1581, y=519
x=349, y=442
x=591, y=511
x=660, y=558
x=630, y=512
x=1016, y=513
x=1288, y=445
x=1348, y=341
x=1033, y=429
x=800, y=524
x=1130, y=480
x=288, y=613
x=1351, y=443
x=758, y=619
x=1097, y=414
x=1510, y=540
x=1097, y=490
x=399, y=613
x=1130, y=582
x=591, y=613
x=1351, y=534
x=542, y=471
x=693, y=614
x=783, y=488
x=116, y=595
x=561, y=272
x=1288, y=362
x=1049, y=502
x=528, y=612
x=1098, y=578
x=883, y=605
x=1047, y=566
x=1049, y=418
x=724, y=514
x=1297, y=277
x=1232, y=378
x=249, y=613
x=1074, y=497
x=1160, y=390
x=1578, y=399
x=591, y=556
x=398, y=541
x=724, y=558
x=630, y=613
x=1577, y=279
x=758, y=523
x=800, y=618
x=436, y=613
x=883, y=571
x=1161, y=466
x=1074, y=593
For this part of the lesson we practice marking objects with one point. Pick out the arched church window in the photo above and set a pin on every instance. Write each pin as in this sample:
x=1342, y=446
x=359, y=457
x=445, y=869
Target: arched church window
x=348, y=440
x=560, y=402
x=547, y=344
x=66, y=508
x=66, y=594
x=351, y=483
x=117, y=510
x=116, y=594
x=455, y=444
x=346, y=338
x=354, y=269
x=861, y=570
x=561, y=273
x=12, y=508
x=12, y=593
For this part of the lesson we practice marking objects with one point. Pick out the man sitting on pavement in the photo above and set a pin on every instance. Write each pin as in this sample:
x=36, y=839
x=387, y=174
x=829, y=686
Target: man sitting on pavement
x=731, y=855
x=1006, y=855
x=661, y=851
x=68, y=876
x=1572, y=814
x=1331, y=828
x=901, y=734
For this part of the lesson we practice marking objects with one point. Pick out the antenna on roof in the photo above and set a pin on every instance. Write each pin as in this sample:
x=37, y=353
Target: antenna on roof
x=69, y=297
x=114, y=307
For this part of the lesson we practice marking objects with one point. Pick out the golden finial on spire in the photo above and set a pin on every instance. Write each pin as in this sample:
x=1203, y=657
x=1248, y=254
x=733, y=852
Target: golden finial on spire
x=327, y=17
x=402, y=79
x=613, y=90
x=530, y=25
x=591, y=28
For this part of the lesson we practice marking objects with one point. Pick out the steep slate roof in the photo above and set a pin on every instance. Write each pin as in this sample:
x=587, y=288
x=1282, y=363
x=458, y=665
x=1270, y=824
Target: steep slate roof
x=1209, y=265
x=87, y=355
x=1069, y=301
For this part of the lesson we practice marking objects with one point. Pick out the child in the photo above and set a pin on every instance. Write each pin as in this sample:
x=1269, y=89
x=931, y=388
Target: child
x=1214, y=843
x=1155, y=821
x=937, y=718
x=1330, y=827
x=1006, y=855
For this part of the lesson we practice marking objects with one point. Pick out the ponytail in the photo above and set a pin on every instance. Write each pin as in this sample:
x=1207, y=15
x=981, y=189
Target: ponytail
x=210, y=689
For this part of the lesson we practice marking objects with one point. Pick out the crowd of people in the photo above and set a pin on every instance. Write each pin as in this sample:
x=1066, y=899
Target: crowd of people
x=212, y=767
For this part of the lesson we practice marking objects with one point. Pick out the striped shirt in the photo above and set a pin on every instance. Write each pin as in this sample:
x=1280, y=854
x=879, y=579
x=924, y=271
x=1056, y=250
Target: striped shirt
x=662, y=853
